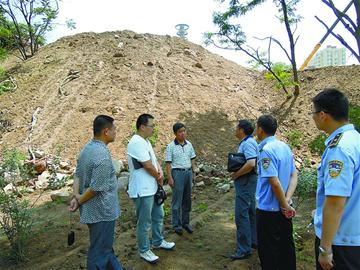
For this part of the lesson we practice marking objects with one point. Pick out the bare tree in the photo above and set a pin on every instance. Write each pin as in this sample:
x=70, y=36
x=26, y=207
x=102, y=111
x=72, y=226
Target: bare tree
x=350, y=24
x=231, y=36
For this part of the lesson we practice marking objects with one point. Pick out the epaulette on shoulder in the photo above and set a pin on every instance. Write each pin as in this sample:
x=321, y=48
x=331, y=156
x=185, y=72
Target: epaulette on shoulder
x=336, y=140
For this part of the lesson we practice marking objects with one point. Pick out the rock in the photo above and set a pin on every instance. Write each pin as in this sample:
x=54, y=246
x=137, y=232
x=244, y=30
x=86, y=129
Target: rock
x=198, y=65
x=224, y=188
x=118, y=165
x=200, y=184
x=138, y=36
x=123, y=182
x=39, y=166
x=70, y=182
x=64, y=165
x=39, y=153
x=121, y=44
x=29, y=190
x=149, y=64
x=119, y=55
x=206, y=169
x=57, y=196
x=9, y=188
x=189, y=52
x=43, y=180
x=125, y=174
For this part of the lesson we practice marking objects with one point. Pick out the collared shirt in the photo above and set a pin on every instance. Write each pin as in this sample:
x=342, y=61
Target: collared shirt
x=95, y=170
x=249, y=147
x=180, y=155
x=141, y=183
x=275, y=160
x=339, y=175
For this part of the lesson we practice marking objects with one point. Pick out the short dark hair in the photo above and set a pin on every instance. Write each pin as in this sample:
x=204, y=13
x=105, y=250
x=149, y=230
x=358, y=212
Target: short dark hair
x=143, y=120
x=333, y=102
x=101, y=122
x=178, y=126
x=268, y=124
x=247, y=126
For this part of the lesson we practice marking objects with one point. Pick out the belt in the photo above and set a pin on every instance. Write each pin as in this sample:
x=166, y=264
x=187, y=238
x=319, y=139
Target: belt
x=182, y=169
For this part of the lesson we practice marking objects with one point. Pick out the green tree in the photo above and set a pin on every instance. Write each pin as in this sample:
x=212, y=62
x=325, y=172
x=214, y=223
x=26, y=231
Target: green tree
x=24, y=23
x=350, y=24
x=231, y=36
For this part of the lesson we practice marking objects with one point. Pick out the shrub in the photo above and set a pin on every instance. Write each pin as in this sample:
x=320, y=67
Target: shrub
x=16, y=217
x=283, y=72
x=153, y=139
x=294, y=138
x=307, y=184
x=354, y=116
x=317, y=146
x=17, y=222
x=7, y=83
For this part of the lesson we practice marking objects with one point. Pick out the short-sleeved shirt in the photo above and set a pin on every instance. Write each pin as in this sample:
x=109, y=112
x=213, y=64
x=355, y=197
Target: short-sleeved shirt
x=249, y=147
x=339, y=175
x=95, y=170
x=180, y=155
x=141, y=183
x=275, y=160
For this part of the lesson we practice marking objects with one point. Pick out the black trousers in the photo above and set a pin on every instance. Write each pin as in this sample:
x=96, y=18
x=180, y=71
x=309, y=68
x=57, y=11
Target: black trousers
x=276, y=246
x=345, y=257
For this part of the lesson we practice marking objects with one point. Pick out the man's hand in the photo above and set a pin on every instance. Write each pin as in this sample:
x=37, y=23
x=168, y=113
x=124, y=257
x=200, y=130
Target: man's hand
x=160, y=179
x=234, y=176
x=171, y=182
x=74, y=205
x=288, y=211
x=326, y=261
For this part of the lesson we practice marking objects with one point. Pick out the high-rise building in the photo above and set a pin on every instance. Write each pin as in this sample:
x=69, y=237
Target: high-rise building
x=330, y=56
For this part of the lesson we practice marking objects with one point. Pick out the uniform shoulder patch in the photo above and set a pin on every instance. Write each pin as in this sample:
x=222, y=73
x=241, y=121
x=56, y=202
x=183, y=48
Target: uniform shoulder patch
x=335, y=168
x=265, y=162
x=336, y=140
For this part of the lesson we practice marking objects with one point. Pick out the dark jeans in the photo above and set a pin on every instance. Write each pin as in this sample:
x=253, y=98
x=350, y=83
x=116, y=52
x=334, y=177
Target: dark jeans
x=345, y=257
x=101, y=254
x=276, y=246
x=245, y=216
x=181, y=198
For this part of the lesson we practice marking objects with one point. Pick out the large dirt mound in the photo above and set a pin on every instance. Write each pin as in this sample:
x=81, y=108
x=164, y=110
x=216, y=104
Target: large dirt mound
x=124, y=74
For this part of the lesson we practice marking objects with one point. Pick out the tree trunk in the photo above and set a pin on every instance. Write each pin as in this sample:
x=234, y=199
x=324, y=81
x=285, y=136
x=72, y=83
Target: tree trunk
x=292, y=48
x=357, y=30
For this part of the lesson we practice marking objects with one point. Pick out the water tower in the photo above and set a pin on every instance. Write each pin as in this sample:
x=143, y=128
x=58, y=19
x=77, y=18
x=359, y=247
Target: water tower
x=182, y=30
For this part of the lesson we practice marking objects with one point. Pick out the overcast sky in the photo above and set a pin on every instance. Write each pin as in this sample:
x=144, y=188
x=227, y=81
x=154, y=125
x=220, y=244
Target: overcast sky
x=161, y=16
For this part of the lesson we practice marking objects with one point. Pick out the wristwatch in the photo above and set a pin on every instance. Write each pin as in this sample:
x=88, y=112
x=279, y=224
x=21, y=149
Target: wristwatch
x=324, y=251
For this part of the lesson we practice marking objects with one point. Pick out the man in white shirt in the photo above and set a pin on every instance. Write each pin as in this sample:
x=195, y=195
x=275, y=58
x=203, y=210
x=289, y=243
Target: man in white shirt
x=145, y=176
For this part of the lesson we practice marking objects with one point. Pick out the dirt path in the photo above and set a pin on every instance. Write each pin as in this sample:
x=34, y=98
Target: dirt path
x=207, y=248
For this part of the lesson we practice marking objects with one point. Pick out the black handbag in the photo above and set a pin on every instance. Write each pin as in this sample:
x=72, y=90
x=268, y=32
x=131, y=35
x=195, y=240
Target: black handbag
x=160, y=195
x=235, y=161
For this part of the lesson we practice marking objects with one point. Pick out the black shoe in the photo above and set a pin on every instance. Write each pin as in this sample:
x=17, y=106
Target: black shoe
x=178, y=231
x=254, y=246
x=240, y=257
x=188, y=228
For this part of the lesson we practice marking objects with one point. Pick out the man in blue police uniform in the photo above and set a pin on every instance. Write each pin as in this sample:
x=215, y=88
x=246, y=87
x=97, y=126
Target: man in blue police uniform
x=245, y=185
x=337, y=216
x=276, y=185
